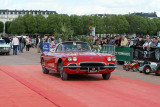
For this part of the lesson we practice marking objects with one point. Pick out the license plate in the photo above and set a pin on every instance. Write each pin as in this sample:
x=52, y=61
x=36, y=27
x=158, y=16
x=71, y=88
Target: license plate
x=93, y=69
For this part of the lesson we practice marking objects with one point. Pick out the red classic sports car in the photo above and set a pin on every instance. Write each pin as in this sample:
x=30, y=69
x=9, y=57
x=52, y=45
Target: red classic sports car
x=77, y=58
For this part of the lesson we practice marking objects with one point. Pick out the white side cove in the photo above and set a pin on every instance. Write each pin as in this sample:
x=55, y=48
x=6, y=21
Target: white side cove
x=153, y=63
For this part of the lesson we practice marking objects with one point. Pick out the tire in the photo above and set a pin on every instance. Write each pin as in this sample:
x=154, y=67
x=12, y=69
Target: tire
x=45, y=71
x=140, y=71
x=63, y=73
x=106, y=76
x=124, y=68
x=135, y=69
x=147, y=69
x=8, y=53
x=157, y=73
x=127, y=68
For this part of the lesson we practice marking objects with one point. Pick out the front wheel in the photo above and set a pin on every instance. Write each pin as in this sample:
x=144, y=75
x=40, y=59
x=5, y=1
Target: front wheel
x=63, y=73
x=147, y=69
x=45, y=71
x=135, y=69
x=157, y=73
x=106, y=76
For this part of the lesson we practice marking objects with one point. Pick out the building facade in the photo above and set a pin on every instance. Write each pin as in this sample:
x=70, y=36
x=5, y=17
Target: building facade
x=9, y=15
x=151, y=15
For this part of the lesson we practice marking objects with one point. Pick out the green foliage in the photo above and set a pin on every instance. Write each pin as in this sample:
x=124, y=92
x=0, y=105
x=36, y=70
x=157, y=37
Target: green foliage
x=1, y=27
x=76, y=24
x=17, y=26
x=42, y=26
x=66, y=33
x=87, y=22
x=152, y=27
x=54, y=23
x=64, y=25
x=157, y=22
x=7, y=25
x=99, y=25
x=30, y=23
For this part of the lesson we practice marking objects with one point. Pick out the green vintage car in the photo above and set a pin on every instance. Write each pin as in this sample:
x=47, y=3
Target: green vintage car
x=150, y=68
x=4, y=48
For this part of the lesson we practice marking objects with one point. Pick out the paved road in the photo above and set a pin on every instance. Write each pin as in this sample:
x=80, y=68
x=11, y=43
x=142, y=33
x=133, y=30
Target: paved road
x=32, y=57
x=26, y=85
x=23, y=84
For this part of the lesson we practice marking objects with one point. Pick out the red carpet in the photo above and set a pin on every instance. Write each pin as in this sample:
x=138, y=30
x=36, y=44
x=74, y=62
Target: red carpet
x=27, y=86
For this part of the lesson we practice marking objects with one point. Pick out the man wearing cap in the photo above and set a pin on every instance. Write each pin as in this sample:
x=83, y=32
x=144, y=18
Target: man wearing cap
x=140, y=41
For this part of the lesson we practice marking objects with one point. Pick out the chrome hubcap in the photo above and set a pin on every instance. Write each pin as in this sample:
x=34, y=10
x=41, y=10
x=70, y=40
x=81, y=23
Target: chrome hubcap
x=147, y=70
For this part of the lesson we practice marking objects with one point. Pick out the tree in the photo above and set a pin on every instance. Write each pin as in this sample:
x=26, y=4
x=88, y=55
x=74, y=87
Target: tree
x=87, y=21
x=17, y=26
x=99, y=25
x=7, y=24
x=66, y=20
x=30, y=23
x=122, y=24
x=1, y=27
x=137, y=24
x=54, y=23
x=152, y=27
x=76, y=24
x=110, y=24
x=42, y=26
x=157, y=22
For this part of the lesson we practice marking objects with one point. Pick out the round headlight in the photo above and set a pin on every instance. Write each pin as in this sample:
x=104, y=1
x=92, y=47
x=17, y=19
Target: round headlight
x=69, y=58
x=109, y=58
x=74, y=58
x=113, y=58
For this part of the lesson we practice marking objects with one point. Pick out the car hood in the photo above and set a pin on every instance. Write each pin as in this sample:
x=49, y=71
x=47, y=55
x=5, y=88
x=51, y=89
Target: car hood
x=89, y=56
x=4, y=45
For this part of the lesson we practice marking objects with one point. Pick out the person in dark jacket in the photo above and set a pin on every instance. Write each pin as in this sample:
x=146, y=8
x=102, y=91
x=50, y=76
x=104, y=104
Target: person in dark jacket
x=118, y=41
x=41, y=44
x=22, y=43
x=140, y=41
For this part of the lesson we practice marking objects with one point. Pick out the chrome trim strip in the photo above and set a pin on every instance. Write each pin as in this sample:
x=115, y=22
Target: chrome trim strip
x=50, y=69
x=88, y=66
x=72, y=66
x=71, y=63
x=92, y=62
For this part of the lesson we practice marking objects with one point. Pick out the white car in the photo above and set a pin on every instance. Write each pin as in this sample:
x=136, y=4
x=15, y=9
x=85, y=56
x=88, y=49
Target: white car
x=4, y=48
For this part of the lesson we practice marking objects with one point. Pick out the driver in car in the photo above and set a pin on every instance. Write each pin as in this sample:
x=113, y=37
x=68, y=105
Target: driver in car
x=79, y=47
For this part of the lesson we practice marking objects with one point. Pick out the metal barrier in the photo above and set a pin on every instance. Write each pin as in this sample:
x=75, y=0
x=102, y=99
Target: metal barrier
x=121, y=53
x=108, y=49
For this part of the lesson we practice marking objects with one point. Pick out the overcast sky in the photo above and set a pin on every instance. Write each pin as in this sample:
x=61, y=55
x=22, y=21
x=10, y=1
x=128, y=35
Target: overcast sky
x=85, y=7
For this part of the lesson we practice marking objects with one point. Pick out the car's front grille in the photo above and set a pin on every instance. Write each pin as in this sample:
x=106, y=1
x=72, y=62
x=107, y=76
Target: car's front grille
x=86, y=65
x=1, y=49
x=111, y=65
x=73, y=64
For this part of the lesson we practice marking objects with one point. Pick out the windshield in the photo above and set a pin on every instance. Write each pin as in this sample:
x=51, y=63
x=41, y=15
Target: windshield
x=2, y=42
x=75, y=46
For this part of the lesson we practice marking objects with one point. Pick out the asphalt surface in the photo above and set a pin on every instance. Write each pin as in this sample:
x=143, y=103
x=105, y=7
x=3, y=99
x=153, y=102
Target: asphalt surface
x=33, y=58
x=23, y=84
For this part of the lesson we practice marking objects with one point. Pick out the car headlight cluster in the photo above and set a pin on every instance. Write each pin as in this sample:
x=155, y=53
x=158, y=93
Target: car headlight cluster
x=72, y=59
x=5, y=48
x=111, y=59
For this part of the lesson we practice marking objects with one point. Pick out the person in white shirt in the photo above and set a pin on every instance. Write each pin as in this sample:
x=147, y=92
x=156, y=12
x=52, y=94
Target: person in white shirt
x=148, y=42
x=15, y=43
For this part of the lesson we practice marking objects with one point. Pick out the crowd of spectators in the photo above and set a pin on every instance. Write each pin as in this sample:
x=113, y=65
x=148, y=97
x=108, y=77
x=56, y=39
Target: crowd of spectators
x=139, y=41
